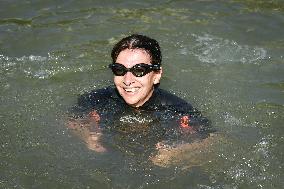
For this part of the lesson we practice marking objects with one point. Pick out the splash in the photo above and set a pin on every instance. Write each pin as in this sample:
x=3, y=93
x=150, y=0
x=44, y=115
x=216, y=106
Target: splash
x=216, y=50
x=255, y=167
x=32, y=66
x=40, y=67
x=135, y=119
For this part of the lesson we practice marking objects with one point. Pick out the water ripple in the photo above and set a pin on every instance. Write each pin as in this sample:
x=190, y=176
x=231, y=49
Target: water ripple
x=18, y=21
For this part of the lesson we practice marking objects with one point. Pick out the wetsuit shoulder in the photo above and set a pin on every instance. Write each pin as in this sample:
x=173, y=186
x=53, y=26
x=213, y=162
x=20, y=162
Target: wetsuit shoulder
x=87, y=101
x=167, y=99
x=95, y=97
x=184, y=110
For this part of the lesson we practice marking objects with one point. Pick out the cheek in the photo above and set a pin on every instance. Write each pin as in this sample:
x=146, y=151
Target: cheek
x=117, y=80
x=151, y=79
x=147, y=82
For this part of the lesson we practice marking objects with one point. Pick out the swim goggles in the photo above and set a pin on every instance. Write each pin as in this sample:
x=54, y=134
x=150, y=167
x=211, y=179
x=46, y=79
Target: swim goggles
x=137, y=70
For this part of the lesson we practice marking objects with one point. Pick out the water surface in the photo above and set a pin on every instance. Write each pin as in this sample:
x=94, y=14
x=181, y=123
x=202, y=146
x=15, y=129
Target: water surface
x=225, y=57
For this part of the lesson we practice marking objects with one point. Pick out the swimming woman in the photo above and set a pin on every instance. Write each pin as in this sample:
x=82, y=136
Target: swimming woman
x=135, y=115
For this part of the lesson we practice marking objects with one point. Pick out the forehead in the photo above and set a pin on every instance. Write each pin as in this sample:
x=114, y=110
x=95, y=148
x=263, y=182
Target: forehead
x=133, y=56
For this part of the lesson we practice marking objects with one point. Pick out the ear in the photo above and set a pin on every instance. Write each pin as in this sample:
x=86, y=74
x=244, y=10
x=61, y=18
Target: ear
x=157, y=76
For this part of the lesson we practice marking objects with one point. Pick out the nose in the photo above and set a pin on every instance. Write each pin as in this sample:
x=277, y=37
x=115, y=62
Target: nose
x=128, y=79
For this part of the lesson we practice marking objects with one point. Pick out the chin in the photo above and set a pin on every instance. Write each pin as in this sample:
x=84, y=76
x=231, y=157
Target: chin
x=131, y=102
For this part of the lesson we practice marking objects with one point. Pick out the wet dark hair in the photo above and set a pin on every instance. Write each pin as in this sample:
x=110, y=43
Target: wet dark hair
x=136, y=41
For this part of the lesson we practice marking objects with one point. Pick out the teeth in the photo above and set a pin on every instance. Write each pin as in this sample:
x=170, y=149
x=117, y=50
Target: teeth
x=131, y=90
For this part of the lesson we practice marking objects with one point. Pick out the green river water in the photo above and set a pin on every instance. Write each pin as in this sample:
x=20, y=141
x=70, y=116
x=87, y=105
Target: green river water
x=225, y=57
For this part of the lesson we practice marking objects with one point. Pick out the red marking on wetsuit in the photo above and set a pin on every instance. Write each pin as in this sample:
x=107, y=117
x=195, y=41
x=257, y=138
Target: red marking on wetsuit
x=184, y=123
x=95, y=116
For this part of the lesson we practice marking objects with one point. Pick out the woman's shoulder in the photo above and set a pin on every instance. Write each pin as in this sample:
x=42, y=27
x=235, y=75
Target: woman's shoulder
x=96, y=96
x=170, y=99
x=87, y=101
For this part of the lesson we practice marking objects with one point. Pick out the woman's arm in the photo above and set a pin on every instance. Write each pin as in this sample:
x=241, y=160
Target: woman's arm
x=88, y=130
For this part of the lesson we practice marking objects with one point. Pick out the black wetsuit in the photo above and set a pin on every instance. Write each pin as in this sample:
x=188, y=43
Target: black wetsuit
x=137, y=129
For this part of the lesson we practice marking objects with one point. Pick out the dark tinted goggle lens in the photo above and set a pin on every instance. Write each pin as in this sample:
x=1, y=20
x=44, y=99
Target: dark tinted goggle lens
x=138, y=70
x=118, y=69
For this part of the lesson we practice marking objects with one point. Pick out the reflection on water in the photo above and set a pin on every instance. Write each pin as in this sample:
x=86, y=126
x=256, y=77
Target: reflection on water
x=224, y=57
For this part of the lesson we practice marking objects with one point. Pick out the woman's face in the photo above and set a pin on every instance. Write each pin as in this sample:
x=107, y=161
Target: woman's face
x=135, y=90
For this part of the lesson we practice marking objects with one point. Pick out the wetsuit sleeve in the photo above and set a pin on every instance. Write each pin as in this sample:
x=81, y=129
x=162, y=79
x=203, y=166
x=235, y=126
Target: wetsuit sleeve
x=83, y=107
x=90, y=101
x=189, y=117
x=192, y=121
x=86, y=103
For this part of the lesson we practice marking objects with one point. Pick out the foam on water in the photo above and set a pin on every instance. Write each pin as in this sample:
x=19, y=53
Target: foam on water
x=133, y=119
x=31, y=66
x=40, y=67
x=216, y=50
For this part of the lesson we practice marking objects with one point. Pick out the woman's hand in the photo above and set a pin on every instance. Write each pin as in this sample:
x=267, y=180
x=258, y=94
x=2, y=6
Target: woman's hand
x=89, y=131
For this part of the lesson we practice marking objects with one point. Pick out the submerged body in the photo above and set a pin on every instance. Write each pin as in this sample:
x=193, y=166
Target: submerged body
x=163, y=120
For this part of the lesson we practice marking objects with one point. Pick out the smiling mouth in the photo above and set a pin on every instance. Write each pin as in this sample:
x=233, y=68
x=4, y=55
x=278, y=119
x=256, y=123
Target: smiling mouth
x=131, y=90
